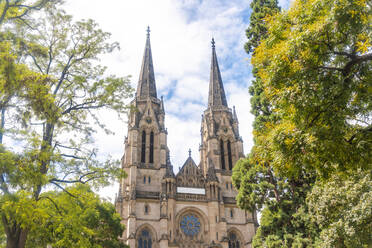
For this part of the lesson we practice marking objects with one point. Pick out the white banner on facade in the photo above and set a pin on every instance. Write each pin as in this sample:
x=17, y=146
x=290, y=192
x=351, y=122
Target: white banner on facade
x=196, y=191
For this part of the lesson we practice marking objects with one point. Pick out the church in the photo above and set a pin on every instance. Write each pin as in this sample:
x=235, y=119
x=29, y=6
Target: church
x=195, y=207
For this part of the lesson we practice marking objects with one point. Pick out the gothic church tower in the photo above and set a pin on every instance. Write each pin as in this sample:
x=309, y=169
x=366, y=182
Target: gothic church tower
x=221, y=146
x=196, y=207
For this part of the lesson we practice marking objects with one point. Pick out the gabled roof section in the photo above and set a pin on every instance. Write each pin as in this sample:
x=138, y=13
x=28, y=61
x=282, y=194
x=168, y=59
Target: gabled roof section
x=190, y=175
x=146, y=83
x=216, y=97
x=189, y=164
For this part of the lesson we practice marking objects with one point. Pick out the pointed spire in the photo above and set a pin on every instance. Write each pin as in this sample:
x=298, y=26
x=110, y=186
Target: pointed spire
x=169, y=168
x=234, y=115
x=162, y=104
x=216, y=95
x=211, y=173
x=146, y=83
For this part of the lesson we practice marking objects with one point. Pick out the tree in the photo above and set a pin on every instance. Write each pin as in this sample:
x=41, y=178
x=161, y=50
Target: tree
x=315, y=65
x=261, y=188
x=54, y=119
x=84, y=221
x=14, y=75
x=11, y=10
x=285, y=221
x=343, y=208
x=261, y=10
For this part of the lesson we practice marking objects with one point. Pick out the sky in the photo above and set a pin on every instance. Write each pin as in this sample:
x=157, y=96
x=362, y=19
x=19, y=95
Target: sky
x=181, y=32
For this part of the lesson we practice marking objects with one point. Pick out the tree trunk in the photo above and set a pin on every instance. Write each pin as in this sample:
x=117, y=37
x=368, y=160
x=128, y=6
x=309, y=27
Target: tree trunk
x=15, y=235
x=17, y=239
x=2, y=124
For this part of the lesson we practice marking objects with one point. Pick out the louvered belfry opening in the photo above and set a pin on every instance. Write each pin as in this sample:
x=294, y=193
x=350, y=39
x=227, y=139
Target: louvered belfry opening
x=223, y=167
x=143, y=147
x=229, y=154
x=151, y=160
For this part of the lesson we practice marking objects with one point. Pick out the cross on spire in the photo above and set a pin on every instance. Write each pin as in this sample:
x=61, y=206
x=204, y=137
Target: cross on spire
x=148, y=31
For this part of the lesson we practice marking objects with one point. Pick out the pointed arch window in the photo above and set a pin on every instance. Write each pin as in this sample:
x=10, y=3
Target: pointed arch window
x=233, y=241
x=151, y=147
x=144, y=240
x=143, y=147
x=223, y=167
x=229, y=154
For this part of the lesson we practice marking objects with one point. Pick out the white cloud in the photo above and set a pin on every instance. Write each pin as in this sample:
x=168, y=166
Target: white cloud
x=180, y=40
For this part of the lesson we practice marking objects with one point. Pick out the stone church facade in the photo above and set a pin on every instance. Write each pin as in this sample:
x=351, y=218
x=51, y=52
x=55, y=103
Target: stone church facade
x=195, y=207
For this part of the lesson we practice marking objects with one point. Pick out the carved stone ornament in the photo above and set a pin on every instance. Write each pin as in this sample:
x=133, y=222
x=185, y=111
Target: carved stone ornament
x=131, y=235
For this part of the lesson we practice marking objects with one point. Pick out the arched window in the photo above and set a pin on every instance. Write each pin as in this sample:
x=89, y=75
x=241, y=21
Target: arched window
x=144, y=240
x=222, y=156
x=152, y=147
x=143, y=147
x=229, y=154
x=233, y=241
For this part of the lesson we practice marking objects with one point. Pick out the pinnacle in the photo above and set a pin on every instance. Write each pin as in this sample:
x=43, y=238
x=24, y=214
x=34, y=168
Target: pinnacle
x=146, y=83
x=216, y=97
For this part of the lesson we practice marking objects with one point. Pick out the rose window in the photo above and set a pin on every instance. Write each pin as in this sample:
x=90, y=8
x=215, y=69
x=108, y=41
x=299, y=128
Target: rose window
x=190, y=225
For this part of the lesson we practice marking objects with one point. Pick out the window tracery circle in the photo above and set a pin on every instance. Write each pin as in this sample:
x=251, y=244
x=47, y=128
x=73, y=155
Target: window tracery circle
x=190, y=224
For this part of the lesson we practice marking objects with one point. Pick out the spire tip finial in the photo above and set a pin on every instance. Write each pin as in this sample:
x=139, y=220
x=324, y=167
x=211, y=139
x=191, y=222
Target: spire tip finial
x=148, y=31
x=189, y=152
x=213, y=43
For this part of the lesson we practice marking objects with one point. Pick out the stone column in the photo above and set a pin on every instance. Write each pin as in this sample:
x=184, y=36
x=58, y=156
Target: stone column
x=131, y=231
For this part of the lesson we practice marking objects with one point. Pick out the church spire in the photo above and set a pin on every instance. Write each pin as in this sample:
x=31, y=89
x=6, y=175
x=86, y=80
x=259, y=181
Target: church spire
x=216, y=95
x=146, y=83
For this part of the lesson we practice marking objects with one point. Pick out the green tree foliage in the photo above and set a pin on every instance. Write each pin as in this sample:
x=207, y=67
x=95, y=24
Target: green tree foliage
x=343, y=208
x=285, y=220
x=261, y=10
x=15, y=77
x=11, y=10
x=83, y=221
x=51, y=78
x=261, y=187
x=315, y=66
x=313, y=75
x=257, y=30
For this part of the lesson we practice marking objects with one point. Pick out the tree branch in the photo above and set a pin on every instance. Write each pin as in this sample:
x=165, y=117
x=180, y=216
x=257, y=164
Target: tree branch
x=356, y=60
x=55, y=204
x=59, y=186
x=83, y=106
x=80, y=180
x=72, y=156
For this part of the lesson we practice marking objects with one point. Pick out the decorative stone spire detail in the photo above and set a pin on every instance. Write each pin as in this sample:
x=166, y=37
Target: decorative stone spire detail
x=216, y=97
x=234, y=115
x=162, y=104
x=146, y=83
x=211, y=173
x=169, y=168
